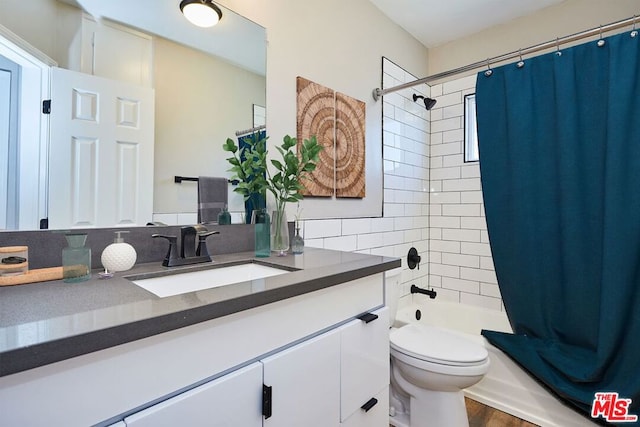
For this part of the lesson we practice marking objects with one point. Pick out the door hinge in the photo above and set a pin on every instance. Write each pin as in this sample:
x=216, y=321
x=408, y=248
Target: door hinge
x=266, y=401
x=46, y=106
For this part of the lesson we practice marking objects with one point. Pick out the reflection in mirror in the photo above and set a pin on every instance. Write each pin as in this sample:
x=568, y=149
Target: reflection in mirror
x=207, y=84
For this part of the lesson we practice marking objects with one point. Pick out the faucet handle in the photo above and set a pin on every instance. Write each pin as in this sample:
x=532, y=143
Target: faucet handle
x=202, y=250
x=172, y=253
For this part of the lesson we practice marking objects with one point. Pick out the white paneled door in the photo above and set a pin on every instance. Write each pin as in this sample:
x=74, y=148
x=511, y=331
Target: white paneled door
x=101, y=152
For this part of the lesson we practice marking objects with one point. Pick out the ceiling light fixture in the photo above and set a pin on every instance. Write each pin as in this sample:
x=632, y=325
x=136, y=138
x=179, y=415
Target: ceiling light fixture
x=202, y=13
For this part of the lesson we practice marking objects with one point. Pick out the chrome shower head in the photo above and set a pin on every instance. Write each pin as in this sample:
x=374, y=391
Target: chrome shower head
x=428, y=102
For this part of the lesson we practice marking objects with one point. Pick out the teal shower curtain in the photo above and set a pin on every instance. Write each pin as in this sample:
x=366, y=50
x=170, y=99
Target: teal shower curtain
x=559, y=142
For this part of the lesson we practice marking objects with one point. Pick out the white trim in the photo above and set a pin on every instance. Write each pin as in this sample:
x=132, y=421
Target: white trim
x=33, y=134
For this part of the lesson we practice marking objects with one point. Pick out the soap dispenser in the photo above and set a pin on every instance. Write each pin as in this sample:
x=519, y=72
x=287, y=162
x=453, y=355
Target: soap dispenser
x=118, y=256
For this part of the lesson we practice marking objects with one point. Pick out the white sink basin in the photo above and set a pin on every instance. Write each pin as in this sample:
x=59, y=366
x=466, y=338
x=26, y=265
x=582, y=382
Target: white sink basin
x=181, y=283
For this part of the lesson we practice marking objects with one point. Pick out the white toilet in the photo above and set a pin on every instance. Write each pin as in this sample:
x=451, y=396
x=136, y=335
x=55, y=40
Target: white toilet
x=429, y=368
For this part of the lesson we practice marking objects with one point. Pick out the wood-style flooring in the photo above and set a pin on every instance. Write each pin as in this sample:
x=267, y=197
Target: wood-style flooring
x=485, y=416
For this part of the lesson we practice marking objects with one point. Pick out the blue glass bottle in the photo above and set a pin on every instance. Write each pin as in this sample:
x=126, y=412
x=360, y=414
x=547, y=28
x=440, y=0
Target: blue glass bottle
x=297, y=242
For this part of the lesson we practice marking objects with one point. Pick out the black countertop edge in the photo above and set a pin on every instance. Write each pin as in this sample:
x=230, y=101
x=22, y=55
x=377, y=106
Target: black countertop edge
x=22, y=359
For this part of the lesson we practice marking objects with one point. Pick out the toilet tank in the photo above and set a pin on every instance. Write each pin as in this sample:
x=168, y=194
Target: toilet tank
x=392, y=292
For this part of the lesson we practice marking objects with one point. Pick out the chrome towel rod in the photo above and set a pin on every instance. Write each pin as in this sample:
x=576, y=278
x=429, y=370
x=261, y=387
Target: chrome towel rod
x=178, y=179
x=377, y=93
x=252, y=130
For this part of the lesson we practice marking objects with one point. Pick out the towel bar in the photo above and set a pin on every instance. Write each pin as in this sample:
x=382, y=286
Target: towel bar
x=178, y=179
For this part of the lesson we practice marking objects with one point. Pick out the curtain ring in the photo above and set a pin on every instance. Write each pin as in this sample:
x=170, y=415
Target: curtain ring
x=601, y=42
x=634, y=32
x=489, y=70
x=520, y=63
x=558, y=53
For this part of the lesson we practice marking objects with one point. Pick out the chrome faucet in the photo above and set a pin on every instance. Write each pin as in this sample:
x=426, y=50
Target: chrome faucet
x=189, y=253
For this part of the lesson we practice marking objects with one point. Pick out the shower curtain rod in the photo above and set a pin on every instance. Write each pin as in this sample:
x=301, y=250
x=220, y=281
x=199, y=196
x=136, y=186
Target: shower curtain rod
x=377, y=93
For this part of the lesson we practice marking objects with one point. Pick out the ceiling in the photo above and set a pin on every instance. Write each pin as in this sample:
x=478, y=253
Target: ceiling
x=435, y=22
x=235, y=38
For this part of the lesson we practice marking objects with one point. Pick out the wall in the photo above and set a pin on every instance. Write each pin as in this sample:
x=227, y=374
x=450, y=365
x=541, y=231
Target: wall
x=191, y=126
x=459, y=264
x=338, y=44
x=566, y=18
x=39, y=22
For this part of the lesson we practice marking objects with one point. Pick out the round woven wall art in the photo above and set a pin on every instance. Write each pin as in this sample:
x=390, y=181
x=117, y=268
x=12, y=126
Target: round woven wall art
x=316, y=116
x=350, y=147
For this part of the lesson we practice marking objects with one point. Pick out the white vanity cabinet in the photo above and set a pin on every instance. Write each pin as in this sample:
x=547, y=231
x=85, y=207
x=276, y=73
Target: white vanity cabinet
x=322, y=363
x=364, y=364
x=231, y=400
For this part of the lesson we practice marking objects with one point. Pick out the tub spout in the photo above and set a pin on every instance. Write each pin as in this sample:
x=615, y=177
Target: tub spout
x=416, y=290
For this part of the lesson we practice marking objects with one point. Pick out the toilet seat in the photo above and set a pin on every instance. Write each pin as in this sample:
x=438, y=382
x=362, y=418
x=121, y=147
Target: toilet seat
x=435, y=345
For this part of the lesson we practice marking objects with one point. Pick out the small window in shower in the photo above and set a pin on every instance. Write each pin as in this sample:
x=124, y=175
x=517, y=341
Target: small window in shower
x=470, y=133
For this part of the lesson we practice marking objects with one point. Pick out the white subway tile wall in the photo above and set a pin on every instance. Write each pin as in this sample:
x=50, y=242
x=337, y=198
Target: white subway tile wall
x=460, y=261
x=432, y=199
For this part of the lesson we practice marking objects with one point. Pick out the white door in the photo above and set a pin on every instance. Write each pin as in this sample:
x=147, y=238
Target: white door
x=305, y=383
x=234, y=400
x=101, y=153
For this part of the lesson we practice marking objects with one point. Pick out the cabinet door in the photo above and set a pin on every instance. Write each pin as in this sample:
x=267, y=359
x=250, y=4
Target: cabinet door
x=229, y=401
x=305, y=383
x=374, y=414
x=364, y=360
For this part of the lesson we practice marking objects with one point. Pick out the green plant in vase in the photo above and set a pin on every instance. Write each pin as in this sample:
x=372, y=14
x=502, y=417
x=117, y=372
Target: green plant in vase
x=249, y=168
x=286, y=183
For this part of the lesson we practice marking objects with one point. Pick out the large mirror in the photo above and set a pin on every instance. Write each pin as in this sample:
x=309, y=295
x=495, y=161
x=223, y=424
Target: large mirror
x=207, y=84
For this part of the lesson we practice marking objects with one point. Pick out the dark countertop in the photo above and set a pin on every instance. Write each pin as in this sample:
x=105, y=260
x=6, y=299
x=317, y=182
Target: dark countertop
x=42, y=323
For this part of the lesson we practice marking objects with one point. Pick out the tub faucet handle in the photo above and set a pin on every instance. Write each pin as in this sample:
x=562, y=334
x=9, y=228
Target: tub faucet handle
x=413, y=259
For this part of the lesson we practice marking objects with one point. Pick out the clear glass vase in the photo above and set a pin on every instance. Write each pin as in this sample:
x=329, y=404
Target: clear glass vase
x=279, y=232
x=260, y=218
x=76, y=259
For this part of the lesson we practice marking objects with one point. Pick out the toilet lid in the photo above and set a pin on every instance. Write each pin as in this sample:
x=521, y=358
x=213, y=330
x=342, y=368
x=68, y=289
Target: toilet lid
x=436, y=345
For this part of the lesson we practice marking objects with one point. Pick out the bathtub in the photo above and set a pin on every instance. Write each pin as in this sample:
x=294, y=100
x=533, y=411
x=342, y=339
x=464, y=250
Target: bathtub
x=506, y=386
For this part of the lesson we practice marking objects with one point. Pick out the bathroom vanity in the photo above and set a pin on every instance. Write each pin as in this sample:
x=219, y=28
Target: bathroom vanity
x=307, y=347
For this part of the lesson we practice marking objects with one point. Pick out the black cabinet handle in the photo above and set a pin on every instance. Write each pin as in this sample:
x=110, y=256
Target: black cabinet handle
x=267, y=403
x=370, y=404
x=368, y=317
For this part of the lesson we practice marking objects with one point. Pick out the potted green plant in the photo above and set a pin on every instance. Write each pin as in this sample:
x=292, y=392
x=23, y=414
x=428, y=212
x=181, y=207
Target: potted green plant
x=249, y=168
x=286, y=184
